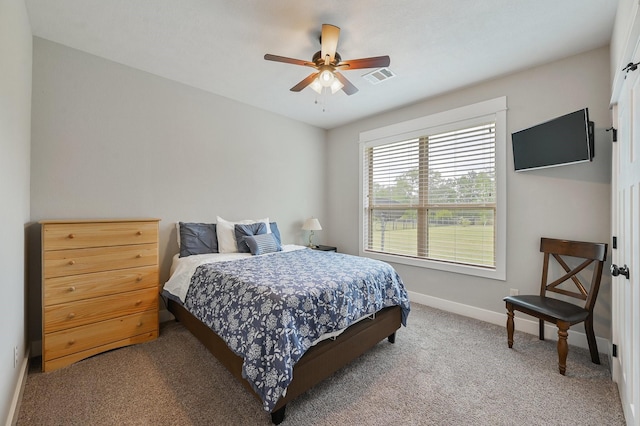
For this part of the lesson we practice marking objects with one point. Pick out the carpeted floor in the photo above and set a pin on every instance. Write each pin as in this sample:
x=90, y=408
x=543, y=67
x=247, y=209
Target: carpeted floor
x=444, y=369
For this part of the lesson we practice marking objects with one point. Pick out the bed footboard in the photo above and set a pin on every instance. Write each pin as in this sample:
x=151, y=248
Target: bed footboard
x=318, y=363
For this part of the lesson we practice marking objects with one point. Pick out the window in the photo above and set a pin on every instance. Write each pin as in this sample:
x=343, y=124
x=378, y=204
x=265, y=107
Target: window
x=433, y=191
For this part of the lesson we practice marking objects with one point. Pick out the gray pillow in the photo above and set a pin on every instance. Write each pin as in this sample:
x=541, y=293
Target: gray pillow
x=262, y=244
x=198, y=238
x=242, y=231
x=276, y=232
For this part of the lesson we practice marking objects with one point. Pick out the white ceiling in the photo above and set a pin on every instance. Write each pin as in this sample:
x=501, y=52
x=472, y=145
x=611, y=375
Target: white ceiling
x=218, y=45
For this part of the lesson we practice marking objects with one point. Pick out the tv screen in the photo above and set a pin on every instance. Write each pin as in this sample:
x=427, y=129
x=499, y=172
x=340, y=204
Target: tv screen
x=563, y=140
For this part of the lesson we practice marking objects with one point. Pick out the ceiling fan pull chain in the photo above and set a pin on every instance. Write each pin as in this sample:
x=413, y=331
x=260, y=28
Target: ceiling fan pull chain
x=323, y=99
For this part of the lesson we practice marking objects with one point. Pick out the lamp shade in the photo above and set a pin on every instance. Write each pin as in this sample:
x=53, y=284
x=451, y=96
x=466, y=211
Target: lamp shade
x=315, y=85
x=312, y=224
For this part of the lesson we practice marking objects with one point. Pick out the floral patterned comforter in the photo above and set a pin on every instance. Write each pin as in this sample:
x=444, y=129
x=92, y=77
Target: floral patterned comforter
x=270, y=309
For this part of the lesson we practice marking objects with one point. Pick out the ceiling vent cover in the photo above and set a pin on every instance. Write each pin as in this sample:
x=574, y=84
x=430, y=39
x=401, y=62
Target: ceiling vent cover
x=379, y=75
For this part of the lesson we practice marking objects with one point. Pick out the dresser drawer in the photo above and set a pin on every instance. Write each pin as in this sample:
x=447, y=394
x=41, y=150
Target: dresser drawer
x=83, y=261
x=63, y=361
x=67, y=315
x=77, y=287
x=65, y=236
x=81, y=338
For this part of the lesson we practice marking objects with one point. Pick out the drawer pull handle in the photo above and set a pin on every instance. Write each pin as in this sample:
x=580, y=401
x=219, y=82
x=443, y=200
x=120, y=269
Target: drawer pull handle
x=72, y=236
x=139, y=256
x=71, y=315
x=139, y=323
x=138, y=302
x=139, y=233
x=72, y=288
x=139, y=278
x=72, y=262
x=71, y=342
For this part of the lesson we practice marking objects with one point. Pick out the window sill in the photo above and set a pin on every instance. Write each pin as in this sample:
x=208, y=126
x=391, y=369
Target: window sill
x=495, y=274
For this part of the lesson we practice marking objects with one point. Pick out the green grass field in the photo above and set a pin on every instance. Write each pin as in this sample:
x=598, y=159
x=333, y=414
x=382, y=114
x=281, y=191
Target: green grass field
x=472, y=244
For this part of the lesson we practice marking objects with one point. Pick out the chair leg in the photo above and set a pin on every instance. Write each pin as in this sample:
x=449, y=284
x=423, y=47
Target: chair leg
x=591, y=339
x=563, y=346
x=541, y=329
x=510, y=324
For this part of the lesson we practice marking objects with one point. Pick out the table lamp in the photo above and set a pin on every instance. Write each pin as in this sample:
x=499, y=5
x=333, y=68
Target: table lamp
x=311, y=224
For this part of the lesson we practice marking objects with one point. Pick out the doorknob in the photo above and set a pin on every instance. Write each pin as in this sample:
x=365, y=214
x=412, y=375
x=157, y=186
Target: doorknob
x=615, y=270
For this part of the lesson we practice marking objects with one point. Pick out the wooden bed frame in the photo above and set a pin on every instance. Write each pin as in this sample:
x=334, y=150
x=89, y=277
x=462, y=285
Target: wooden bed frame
x=318, y=363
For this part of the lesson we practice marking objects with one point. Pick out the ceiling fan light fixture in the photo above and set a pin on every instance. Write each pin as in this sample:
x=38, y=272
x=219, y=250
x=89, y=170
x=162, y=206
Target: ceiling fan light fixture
x=318, y=87
x=315, y=85
x=336, y=85
x=326, y=76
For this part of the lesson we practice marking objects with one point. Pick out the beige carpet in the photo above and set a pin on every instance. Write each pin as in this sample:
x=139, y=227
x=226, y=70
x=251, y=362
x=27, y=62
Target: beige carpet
x=443, y=369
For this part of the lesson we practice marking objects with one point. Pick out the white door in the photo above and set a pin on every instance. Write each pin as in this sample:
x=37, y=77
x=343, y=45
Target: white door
x=626, y=227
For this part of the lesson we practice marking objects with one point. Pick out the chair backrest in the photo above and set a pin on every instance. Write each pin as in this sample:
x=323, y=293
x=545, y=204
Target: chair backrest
x=595, y=253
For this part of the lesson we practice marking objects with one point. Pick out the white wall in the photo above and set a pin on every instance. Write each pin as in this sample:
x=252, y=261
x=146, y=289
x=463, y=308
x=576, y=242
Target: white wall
x=112, y=141
x=15, y=116
x=567, y=202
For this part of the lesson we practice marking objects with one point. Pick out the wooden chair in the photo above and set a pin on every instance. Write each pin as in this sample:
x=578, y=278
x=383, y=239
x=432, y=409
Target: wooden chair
x=559, y=312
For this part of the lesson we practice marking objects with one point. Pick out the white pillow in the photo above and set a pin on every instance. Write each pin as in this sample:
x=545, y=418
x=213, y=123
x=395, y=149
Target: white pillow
x=227, y=235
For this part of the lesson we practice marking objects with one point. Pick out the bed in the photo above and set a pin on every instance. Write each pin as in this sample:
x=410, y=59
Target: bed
x=281, y=318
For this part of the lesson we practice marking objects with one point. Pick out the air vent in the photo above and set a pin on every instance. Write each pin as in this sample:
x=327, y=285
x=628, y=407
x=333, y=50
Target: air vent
x=379, y=75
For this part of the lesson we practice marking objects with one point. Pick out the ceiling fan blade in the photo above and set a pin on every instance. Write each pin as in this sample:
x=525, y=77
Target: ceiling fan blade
x=374, y=62
x=329, y=40
x=348, y=88
x=286, y=60
x=304, y=83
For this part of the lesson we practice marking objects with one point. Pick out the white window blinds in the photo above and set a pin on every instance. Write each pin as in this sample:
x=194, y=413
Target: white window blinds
x=433, y=196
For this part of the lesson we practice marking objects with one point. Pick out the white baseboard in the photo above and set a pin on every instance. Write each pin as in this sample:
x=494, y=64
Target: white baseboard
x=14, y=408
x=523, y=324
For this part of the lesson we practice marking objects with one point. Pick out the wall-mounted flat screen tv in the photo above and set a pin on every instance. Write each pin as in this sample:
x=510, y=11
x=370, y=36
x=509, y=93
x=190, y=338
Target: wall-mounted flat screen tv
x=563, y=140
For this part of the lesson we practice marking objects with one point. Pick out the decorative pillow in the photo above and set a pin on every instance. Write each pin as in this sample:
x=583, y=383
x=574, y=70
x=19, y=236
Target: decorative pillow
x=262, y=244
x=226, y=233
x=276, y=232
x=242, y=231
x=197, y=238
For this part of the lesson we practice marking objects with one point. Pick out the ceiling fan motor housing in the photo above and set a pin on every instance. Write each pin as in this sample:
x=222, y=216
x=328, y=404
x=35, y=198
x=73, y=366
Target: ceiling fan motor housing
x=319, y=60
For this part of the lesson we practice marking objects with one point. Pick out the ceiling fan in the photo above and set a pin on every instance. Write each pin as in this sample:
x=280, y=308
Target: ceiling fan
x=327, y=62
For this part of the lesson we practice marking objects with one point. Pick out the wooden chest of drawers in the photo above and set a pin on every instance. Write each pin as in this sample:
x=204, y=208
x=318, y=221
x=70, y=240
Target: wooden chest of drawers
x=100, y=287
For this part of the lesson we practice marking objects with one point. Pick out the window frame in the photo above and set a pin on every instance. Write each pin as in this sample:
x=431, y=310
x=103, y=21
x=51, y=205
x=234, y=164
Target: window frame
x=466, y=116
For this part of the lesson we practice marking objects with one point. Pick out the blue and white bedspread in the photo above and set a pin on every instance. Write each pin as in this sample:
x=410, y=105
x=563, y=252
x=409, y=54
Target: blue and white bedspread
x=270, y=309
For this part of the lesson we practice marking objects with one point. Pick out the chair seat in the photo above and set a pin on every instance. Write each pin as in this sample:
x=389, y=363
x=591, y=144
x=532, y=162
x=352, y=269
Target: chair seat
x=548, y=306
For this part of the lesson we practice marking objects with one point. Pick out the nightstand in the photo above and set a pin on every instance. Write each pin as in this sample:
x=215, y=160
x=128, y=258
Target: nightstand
x=325, y=248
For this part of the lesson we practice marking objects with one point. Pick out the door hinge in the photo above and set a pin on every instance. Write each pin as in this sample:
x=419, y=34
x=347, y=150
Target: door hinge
x=614, y=351
x=614, y=243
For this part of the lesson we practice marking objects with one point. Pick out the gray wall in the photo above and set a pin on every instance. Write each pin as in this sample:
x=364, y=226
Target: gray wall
x=112, y=141
x=15, y=116
x=570, y=202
